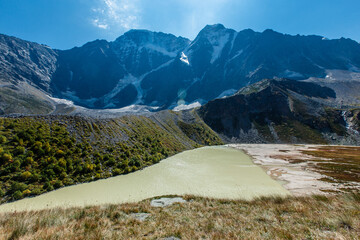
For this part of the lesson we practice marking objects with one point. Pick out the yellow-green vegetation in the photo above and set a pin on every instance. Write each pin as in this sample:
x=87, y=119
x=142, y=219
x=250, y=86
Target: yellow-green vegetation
x=40, y=154
x=339, y=164
x=199, y=133
x=317, y=217
x=290, y=129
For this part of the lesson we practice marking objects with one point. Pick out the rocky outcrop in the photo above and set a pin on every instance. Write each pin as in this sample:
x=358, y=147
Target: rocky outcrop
x=279, y=111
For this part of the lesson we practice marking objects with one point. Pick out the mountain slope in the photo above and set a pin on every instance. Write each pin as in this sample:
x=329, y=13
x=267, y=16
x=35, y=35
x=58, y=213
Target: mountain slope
x=157, y=69
x=281, y=111
x=107, y=74
x=26, y=71
x=38, y=154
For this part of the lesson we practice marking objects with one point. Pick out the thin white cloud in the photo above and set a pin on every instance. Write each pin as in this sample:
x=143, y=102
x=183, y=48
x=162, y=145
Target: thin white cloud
x=116, y=14
x=96, y=23
x=200, y=13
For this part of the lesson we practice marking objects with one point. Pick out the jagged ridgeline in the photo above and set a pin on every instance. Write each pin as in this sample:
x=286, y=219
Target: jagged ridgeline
x=39, y=154
x=162, y=70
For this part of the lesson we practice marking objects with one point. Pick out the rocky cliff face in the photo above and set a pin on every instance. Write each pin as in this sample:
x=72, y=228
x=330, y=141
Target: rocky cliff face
x=26, y=71
x=27, y=62
x=157, y=69
x=280, y=111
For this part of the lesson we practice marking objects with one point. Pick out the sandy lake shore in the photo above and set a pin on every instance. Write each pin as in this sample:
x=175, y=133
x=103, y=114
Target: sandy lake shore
x=288, y=164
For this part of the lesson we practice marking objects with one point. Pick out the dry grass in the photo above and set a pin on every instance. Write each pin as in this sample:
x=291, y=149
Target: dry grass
x=343, y=164
x=317, y=217
x=337, y=164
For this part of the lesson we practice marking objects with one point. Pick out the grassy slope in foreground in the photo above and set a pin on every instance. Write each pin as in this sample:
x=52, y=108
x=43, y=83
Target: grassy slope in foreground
x=39, y=154
x=317, y=217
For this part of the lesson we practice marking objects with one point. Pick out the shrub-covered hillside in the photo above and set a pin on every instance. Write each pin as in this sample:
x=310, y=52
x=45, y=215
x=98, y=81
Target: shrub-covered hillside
x=39, y=154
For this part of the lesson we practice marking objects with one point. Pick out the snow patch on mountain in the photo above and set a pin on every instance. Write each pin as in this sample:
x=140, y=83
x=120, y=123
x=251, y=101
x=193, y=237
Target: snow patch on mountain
x=61, y=101
x=186, y=107
x=291, y=74
x=184, y=58
x=236, y=55
x=227, y=93
x=133, y=109
x=218, y=43
x=252, y=73
x=233, y=40
x=160, y=49
x=129, y=79
x=72, y=96
x=135, y=81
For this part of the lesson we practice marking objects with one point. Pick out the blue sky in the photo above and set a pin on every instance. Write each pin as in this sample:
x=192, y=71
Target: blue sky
x=64, y=24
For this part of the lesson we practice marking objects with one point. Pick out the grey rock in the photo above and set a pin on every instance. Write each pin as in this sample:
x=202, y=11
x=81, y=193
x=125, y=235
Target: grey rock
x=164, y=202
x=140, y=216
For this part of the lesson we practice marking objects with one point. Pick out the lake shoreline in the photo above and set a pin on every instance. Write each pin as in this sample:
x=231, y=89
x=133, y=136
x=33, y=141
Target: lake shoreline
x=215, y=172
x=289, y=164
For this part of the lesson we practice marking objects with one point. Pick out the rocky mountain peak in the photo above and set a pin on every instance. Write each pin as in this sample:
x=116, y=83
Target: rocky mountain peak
x=141, y=38
x=214, y=27
x=213, y=31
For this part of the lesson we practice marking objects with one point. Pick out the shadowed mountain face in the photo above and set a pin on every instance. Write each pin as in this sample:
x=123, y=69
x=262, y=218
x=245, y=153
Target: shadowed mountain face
x=281, y=111
x=102, y=74
x=158, y=69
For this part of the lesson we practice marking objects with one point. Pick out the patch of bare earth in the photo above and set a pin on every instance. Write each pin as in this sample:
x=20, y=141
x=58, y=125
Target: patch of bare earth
x=308, y=169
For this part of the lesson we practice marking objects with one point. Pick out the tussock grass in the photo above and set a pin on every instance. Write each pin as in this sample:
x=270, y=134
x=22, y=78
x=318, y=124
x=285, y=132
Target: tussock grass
x=315, y=217
x=343, y=163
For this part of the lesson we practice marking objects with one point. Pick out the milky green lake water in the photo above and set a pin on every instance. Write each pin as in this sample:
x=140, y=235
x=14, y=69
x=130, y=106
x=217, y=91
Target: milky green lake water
x=215, y=172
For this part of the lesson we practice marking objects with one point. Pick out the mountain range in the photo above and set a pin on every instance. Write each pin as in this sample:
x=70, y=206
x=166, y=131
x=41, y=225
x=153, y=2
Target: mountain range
x=163, y=71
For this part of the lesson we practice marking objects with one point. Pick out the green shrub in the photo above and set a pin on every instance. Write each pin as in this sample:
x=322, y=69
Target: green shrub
x=26, y=175
x=2, y=139
x=17, y=195
x=26, y=192
x=18, y=186
x=19, y=150
x=116, y=172
x=36, y=191
x=6, y=157
x=58, y=184
x=48, y=186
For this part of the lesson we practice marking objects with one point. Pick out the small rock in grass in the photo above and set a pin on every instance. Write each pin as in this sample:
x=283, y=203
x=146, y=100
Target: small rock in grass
x=171, y=238
x=140, y=216
x=164, y=202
